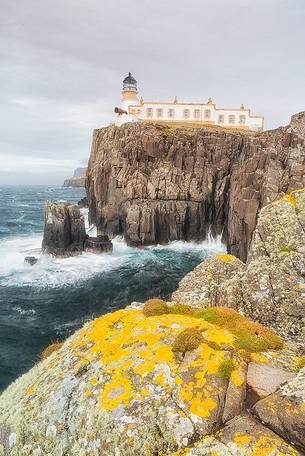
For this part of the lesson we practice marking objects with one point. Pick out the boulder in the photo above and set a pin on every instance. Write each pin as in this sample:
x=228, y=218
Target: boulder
x=244, y=436
x=264, y=379
x=284, y=410
x=64, y=230
x=203, y=287
x=30, y=260
x=117, y=386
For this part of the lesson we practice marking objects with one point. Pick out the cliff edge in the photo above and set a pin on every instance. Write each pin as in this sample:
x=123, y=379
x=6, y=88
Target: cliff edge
x=156, y=183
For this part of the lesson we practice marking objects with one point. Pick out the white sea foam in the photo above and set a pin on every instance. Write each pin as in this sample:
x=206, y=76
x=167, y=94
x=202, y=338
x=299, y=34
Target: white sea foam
x=60, y=272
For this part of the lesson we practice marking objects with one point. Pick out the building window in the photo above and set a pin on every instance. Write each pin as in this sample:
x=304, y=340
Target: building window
x=221, y=118
x=242, y=120
x=207, y=114
x=159, y=112
x=197, y=113
x=149, y=112
x=186, y=113
x=171, y=113
x=232, y=119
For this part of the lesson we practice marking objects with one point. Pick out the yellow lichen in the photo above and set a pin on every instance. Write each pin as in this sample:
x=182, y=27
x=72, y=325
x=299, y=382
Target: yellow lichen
x=202, y=407
x=237, y=377
x=50, y=349
x=241, y=439
x=131, y=347
x=225, y=257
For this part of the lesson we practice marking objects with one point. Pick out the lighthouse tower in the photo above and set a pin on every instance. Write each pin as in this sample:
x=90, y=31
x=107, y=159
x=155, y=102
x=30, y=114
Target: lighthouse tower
x=129, y=92
x=129, y=99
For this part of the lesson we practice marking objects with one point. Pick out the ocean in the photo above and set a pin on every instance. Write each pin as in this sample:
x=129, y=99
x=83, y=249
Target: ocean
x=47, y=302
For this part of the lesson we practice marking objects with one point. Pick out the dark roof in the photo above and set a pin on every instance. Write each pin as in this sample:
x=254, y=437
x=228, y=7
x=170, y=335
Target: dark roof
x=129, y=79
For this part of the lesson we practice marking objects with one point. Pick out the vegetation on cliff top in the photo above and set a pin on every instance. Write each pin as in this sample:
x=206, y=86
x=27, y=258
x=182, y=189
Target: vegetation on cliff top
x=249, y=335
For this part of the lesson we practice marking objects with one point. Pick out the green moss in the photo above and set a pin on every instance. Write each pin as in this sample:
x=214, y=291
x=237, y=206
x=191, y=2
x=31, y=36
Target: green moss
x=154, y=307
x=250, y=336
x=286, y=249
x=181, y=309
x=189, y=339
x=226, y=368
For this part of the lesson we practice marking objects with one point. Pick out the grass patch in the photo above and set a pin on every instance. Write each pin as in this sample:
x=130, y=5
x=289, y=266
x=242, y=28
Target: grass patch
x=182, y=309
x=189, y=339
x=154, y=307
x=50, y=349
x=226, y=368
x=250, y=336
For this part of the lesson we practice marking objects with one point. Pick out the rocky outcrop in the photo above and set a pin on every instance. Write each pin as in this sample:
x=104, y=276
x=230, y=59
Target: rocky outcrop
x=284, y=410
x=78, y=179
x=208, y=282
x=65, y=233
x=271, y=287
x=64, y=229
x=120, y=386
x=155, y=183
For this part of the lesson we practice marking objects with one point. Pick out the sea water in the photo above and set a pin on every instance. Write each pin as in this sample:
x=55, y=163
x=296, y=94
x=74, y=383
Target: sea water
x=46, y=302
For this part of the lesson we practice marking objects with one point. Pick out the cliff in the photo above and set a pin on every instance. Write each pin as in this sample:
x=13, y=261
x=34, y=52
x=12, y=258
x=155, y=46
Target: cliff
x=270, y=288
x=78, y=179
x=156, y=183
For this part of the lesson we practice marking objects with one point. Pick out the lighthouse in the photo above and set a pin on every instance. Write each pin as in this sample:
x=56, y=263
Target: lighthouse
x=135, y=109
x=129, y=92
x=129, y=98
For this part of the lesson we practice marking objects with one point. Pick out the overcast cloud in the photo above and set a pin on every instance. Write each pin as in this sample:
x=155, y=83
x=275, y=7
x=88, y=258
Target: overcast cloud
x=63, y=61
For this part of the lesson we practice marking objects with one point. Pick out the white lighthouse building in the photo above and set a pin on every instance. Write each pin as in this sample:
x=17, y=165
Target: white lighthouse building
x=134, y=109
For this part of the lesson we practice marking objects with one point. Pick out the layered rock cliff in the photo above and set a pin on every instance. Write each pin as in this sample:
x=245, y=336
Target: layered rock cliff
x=155, y=183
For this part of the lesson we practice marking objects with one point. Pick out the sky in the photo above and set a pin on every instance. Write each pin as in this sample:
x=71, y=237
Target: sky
x=63, y=62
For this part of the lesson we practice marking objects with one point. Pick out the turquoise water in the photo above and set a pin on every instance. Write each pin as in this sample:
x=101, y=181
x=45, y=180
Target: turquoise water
x=50, y=300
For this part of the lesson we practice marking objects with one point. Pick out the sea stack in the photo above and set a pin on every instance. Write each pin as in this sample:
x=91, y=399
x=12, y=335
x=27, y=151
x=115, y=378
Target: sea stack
x=65, y=233
x=64, y=230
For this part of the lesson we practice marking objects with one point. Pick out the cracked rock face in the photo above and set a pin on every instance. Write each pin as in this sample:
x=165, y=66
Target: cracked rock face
x=270, y=288
x=284, y=410
x=156, y=184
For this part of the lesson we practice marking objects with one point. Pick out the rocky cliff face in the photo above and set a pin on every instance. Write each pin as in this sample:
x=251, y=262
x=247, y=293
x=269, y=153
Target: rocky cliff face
x=155, y=184
x=271, y=287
